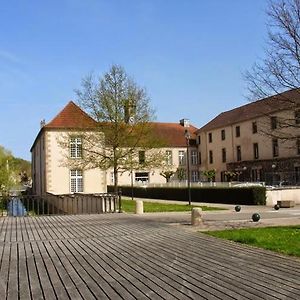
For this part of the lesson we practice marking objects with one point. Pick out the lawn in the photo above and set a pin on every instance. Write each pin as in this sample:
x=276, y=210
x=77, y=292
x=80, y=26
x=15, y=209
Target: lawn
x=129, y=207
x=284, y=239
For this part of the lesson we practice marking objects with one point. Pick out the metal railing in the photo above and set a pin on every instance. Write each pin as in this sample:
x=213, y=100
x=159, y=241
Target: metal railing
x=198, y=184
x=50, y=204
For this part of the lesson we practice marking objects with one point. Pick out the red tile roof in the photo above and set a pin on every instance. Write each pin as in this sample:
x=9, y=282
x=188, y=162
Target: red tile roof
x=72, y=116
x=173, y=133
x=255, y=109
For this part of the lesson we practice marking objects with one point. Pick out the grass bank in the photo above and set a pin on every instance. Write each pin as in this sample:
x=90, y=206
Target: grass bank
x=129, y=207
x=284, y=239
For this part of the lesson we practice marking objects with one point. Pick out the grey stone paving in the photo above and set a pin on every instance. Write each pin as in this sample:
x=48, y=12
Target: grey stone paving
x=120, y=256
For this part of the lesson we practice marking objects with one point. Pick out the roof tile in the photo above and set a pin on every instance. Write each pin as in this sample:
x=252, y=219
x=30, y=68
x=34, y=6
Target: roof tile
x=72, y=116
x=255, y=109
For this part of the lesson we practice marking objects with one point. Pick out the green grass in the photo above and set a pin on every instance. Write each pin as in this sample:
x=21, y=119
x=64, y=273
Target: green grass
x=284, y=239
x=129, y=207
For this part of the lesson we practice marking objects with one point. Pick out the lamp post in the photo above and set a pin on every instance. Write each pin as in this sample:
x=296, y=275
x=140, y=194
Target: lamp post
x=273, y=173
x=188, y=137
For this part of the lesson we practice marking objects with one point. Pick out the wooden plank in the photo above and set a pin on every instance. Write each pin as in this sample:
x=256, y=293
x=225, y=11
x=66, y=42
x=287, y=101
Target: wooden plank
x=56, y=283
x=233, y=270
x=65, y=273
x=71, y=270
x=44, y=277
x=80, y=277
x=94, y=279
x=35, y=287
x=172, y=279
x=254, y=262
x=13, y=229
x=112, y=272
x=145, y=280
x=24, y=291
x=27, y=228
x=13, y=288
x=4, y=271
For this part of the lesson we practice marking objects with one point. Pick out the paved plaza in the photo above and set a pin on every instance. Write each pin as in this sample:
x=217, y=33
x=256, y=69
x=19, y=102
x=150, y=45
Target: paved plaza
x=126, y=256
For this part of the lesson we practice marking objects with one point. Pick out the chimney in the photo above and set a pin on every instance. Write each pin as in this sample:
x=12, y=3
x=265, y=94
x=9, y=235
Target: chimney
x=185, y=122
x=42, y=123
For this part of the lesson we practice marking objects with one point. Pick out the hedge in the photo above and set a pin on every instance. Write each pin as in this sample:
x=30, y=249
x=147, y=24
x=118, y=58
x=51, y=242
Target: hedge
x=253, y=195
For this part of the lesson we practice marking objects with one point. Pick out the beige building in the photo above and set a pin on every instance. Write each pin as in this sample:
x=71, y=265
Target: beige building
x=247, y=142
x=51, y=173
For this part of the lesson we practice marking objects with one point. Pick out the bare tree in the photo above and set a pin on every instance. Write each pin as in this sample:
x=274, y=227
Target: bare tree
x=279, y=70
x=124, y=139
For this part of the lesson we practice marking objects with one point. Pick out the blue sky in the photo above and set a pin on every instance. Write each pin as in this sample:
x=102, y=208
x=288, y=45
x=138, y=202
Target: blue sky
x=189, y=54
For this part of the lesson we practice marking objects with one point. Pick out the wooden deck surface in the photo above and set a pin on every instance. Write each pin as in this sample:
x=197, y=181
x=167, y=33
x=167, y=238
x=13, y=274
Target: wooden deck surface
x=119, y=256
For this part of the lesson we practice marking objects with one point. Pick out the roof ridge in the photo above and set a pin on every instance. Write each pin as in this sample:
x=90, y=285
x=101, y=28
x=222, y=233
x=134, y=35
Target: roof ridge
x=71, y=116
x=254, y=109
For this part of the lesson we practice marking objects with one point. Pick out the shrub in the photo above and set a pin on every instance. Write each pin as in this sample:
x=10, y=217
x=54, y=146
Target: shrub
x=231, y=195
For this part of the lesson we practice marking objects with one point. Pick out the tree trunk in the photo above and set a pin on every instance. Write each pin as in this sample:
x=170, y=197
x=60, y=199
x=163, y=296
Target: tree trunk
x=115, y=179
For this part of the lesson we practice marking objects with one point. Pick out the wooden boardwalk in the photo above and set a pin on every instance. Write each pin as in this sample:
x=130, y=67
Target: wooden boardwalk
x=119, y=256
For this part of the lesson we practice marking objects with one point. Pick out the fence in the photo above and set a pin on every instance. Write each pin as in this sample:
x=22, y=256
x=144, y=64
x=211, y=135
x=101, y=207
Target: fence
x=283, y=178
x=49, y=204
x=184, y=184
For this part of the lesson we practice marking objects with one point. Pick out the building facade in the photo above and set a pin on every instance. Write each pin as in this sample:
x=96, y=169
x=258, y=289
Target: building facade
x=54, y=167
x=259, y=141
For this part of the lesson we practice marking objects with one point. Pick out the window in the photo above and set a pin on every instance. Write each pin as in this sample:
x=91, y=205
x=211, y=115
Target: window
x=199, y=158
x=75, y=147
x=255, y=151
x=275, y=147
x=254, y=127
x=223, y=155
x=297, y=116
x=256, y=174
x=141, y=177
x=169, y=160
x=181, y=157
x=195, y=176
x=211, y=158
x=141, y=157
x=199, y=139
x=273, y=122
x=238, y=153
x=223, y=134
x=210, y=137
x=298, y=145
x=237, y=131
x=76, y=181
x=194, y=157
x=112, y=178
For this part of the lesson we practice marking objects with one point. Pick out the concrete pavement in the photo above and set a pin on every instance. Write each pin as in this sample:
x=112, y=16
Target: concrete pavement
x=229, y=218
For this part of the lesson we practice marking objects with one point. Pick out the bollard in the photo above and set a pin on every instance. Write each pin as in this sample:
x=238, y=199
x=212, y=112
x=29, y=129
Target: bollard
x=196, y=216
x=139, y=207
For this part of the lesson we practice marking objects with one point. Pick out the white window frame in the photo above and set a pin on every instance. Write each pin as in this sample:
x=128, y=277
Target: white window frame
x=181, y=158
x=76, y=147
x=169, y=158
x=194, y=157
x=76, y=181
x=195, y=176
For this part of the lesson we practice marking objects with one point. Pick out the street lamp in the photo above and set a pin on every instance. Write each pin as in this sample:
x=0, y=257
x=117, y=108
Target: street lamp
x=188, y=137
